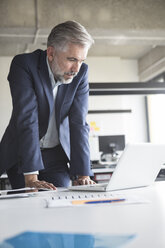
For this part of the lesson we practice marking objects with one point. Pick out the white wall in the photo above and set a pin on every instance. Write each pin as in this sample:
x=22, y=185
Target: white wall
x=133, y=125
x=156, y=118
x=108, y=69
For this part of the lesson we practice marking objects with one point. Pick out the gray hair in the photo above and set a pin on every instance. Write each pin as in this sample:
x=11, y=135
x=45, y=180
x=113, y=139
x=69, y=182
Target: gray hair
x=69, y=32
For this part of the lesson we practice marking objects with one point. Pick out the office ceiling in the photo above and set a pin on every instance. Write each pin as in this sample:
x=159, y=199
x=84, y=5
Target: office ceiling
x=129, y=29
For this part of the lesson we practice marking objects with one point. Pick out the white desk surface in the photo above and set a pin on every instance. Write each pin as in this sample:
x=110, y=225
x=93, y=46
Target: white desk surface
x=146, y=220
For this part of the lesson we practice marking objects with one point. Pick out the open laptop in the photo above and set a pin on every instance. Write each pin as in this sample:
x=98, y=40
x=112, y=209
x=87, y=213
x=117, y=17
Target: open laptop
x=138, y=166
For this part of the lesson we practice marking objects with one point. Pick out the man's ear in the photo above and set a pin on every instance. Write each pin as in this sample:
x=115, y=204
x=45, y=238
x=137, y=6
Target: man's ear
x=50, y=53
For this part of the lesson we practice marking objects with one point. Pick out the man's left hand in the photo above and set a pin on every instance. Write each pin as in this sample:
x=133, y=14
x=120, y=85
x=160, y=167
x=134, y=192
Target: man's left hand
x=83, y=180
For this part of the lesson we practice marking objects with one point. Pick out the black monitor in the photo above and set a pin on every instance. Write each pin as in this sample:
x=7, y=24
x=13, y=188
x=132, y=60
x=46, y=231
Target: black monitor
x=111, y=143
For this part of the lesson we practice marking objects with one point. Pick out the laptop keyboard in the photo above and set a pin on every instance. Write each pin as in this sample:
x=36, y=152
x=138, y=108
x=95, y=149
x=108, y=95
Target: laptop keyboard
x=82, y=195
x=65, y=198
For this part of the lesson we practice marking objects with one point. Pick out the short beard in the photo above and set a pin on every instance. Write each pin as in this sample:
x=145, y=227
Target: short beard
x=59, y=75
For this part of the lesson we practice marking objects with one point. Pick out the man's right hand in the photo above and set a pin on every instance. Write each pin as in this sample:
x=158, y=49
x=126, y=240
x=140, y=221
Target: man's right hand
x=32, y=181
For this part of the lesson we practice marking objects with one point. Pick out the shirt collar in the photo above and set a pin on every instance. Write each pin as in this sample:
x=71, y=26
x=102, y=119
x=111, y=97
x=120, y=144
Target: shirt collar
x=51, y=76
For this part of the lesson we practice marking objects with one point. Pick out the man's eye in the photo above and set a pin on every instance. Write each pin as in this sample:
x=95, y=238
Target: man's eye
x=70, y=59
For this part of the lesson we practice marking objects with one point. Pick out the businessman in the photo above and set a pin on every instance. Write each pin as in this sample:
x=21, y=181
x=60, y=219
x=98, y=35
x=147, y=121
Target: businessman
x=46, y=141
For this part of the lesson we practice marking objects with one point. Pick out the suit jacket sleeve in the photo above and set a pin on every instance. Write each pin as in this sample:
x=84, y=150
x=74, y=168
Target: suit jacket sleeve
x=79, y=130
x=25, y=115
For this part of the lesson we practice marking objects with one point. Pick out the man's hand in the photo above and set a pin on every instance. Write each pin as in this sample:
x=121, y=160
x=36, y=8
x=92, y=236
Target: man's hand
x=83, y=180
x=32, y=181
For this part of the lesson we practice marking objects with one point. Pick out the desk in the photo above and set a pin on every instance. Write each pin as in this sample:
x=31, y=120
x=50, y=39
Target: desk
x=146, y=220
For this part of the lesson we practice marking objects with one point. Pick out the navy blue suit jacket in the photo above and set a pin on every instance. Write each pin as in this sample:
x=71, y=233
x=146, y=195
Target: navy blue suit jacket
x=32, y=99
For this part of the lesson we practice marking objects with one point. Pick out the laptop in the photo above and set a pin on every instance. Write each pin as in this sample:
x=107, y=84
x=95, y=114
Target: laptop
x=138, y=166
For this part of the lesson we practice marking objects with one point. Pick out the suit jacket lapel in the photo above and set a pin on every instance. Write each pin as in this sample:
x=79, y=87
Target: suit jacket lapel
x=62, y=89
x=44, y=75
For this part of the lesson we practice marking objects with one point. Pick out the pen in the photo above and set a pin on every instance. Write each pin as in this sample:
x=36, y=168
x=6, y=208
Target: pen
x=79, y=202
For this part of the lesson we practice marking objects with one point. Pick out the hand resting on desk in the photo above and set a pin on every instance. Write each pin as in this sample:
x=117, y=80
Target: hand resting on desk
x=83, y=180
x=33, y=182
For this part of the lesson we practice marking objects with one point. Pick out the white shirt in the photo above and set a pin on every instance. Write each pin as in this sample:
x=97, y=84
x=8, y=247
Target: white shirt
x=51, y=138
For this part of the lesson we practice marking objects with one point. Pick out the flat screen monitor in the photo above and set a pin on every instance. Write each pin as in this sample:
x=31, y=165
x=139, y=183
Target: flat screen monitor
x=110, y=142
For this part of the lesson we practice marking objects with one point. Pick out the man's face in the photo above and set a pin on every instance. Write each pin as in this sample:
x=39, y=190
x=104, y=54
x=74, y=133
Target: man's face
x=66, y=64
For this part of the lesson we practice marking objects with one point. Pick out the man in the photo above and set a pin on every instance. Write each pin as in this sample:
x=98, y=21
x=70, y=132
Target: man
x=46, y=141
